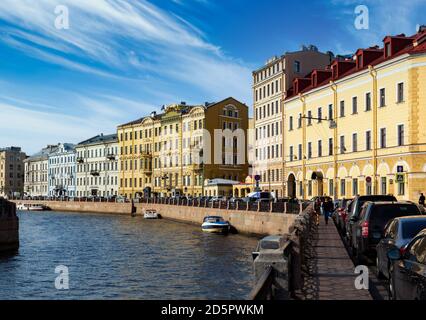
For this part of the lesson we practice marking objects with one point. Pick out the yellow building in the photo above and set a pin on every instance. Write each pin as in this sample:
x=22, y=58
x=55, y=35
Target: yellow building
x=357, y=127
x=174, y=152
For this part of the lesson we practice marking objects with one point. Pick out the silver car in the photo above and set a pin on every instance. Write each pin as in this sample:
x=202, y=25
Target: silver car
x=398, y=232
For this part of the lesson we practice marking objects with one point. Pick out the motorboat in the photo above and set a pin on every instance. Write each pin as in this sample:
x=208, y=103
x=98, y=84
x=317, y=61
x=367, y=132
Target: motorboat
x=30, y=207
x=215, y=224
x=151, y=214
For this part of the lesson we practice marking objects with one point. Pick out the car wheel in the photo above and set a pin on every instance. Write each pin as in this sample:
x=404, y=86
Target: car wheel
x=391, y=285
x=379, y=273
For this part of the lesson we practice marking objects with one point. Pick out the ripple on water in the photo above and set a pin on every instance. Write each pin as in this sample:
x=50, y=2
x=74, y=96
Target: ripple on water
x=119, y=257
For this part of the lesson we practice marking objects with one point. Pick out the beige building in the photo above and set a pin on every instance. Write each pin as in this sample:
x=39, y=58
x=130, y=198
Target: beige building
x=176, y=151
x=11, y=172
x=270, y=84
x=36, y=173
x=97, y=166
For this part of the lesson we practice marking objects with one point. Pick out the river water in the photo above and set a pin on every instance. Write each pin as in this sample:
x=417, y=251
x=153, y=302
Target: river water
x=119, y=257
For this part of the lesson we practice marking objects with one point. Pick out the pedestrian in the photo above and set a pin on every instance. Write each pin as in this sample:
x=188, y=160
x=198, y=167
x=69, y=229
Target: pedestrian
x=317, y=209
x=328, y=208
x=422, y=200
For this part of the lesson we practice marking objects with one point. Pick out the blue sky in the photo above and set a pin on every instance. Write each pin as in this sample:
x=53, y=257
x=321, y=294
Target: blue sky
x=122, y=59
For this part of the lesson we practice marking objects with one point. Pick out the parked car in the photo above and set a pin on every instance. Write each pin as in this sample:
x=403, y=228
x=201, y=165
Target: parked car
x=261, y=196
x=408, y=270
x=369, y=228
x=398, y=232
x=353, y=215
x=341, y=214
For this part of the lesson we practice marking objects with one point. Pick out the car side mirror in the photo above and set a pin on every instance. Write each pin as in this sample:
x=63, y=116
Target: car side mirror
x=394, y=254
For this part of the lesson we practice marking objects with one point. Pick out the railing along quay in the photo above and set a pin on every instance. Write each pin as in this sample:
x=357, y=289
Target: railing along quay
x=288, y=207
x=279, y=260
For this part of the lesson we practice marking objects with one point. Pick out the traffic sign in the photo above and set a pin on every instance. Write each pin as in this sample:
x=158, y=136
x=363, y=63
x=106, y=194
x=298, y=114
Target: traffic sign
x=257, y=177
x=368, y=179
x=400, y=178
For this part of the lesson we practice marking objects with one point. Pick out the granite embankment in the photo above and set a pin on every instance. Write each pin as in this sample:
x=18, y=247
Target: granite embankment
x=248, y=222
x=9, y=226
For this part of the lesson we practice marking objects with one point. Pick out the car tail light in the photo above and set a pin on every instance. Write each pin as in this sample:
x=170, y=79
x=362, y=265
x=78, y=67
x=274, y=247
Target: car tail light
x=402, y=251
x=365, y=229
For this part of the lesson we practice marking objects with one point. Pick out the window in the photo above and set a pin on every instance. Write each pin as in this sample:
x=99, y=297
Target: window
x=354, y=142
x=382, y=97
x=342, y=187
x=354, y=105
x=331, y=187
x=319, y=148
x=290, y=123
x=342, y=144
x=297, y=66
x=330, y=146
x=368, y=101
x=400, y=93
x=401, y=188
x=299, y=121
x=291, y=153
x=300, y=152
x=383, y=138
x=309, y=150
x=342, y=108
x=400, y=135
x=330, y=112
x=387, y=49
x=383, y=186
x=355, y=187
x=319, y=115
x=309, y=118
x=368, y=140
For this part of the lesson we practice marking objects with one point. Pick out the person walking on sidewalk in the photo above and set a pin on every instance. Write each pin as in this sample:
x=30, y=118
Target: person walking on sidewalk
x=328, y=209
x=317, y=209
x=422, y=200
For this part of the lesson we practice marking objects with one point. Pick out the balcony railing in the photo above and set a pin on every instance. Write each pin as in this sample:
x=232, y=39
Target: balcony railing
x=146, y=154
x=94, y=173
x=111, y=157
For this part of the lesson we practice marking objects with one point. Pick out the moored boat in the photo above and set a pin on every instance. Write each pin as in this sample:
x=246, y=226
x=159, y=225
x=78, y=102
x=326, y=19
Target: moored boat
x=30, y=207
x=151, y=214
x=215, y=224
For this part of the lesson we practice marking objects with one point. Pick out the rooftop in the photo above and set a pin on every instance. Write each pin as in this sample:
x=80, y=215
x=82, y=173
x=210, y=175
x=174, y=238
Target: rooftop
x=101, y=138
x=344, y=66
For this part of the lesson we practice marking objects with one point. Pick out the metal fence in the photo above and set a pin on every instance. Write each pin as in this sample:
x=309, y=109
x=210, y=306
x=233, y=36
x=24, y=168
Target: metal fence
x=292, y=207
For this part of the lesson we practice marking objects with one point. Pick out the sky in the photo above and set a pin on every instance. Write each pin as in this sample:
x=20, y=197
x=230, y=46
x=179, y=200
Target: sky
x=119, y=60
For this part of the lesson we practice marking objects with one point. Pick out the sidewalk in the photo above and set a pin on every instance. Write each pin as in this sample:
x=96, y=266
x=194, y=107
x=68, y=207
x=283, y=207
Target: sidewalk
x=331, y=269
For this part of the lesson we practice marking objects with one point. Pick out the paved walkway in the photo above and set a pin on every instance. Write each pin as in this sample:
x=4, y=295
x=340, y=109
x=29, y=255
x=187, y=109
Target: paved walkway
x=331, y=269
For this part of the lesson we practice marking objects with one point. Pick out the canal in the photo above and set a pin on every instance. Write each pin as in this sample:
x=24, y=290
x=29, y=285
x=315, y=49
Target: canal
x=119, y=257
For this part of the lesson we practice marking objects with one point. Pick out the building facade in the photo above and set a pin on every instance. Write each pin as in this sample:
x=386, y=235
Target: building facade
x=62, y=171
x=11, y=172
x=356, y=127
x=98, y=166
x=270, y=85
x=36, y=173
x=176, y=151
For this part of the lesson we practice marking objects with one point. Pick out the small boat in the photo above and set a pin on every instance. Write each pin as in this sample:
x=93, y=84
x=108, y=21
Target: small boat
x=215, y=224
x=31, y=207
x=151, y=214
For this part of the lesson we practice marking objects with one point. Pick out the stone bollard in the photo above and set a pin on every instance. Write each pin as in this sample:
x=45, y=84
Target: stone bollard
x=274, y=252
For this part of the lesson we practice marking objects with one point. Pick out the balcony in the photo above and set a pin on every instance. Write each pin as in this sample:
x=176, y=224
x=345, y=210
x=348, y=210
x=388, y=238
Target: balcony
x=146, y=154
x=147, y=171
x=80, y=160
x=94, y=173
x=110, y=156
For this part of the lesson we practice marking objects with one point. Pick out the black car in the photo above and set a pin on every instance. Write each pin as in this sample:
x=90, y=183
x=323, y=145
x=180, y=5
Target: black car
x=370, y=225
x=398, y=232
x=408, y=270
x=353, y=216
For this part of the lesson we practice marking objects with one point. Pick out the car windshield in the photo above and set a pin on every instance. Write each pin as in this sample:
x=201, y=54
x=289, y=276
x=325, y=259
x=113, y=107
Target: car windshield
x=382, y=214
x=376, y=198
x=411, y=228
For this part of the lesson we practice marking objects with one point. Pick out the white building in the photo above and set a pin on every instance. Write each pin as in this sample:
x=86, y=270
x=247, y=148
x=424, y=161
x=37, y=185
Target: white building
x=36, y=182
x=98, y=166
x=62, y=167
